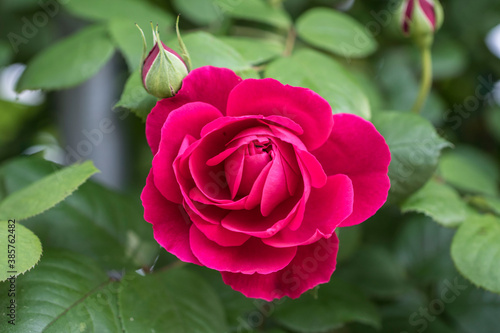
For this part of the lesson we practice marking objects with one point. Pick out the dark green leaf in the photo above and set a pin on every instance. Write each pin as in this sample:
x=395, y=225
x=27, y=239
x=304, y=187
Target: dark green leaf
x=415, y=148
x=313, y=70
x=134, y=97
x=69, y=62
x=25, y=248
x=65, y=293
x=45, y=193
x=476, y=251
x=439, y=201
x=174, y=301
x=350, y=238
x=5, y=53
x=474, y=310
x=336, y=32
x=376, y=272
x=337, y=304
x=94, y=221
x=422, y=247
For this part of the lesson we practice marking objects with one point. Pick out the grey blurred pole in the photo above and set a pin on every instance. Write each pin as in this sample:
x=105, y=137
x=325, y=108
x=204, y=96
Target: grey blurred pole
x=90, y=129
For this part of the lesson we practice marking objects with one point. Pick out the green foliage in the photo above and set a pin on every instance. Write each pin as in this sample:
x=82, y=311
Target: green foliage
x=255, y=10
x=336, y=304
x=170, y=301
x=471, y=171
x=313, y=70
x=201, y=12
x=94, y=221
x=415, y=149
x=135, y=98
x=25, y=248
x=61, y=294
x=45, y=193
x=69, y=62
x=476, y=251
x=439, y=201
x=335, y=32
x=254, y=50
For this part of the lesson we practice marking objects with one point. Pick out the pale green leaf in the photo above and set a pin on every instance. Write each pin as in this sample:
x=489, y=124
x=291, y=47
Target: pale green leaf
x=105, y=10
x=336, y=32
x=316, y=71
x=207, y=50
x=22, y=244
x=201, y=12
x=45, y=193
x=255, y=50
x=255, y=10
x=69, y=62
x=470, y=170
x=439, y=201
x=476, y=251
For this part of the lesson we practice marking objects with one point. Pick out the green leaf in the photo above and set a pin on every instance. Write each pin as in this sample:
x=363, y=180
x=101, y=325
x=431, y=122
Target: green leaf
x=439, y=201
x=255, y=10
x=94, y=221
x=255, y=50
x=476, y=251
x=376, y=272
x=422, y=247
x=415, y=148
x=105, y=10
x=313, y=70
x=474, y=310
x=174, y=301
x=335, y=32
x=69, y=62
x=65, y=293
x=45, y=193
x=134, y=97
x=207, y=50
x=337, y=304
x=470, y=170
x=26, y=249
x=201, y=12
x=449, y=59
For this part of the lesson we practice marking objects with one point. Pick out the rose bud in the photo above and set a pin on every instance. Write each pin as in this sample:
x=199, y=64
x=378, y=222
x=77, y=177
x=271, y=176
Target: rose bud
x=162, y=69
x=420, y=18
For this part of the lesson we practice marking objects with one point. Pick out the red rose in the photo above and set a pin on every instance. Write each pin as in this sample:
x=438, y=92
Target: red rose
x=251, y=178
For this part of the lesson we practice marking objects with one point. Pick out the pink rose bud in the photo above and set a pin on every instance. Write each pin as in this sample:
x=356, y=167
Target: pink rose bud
x=162, y=69
x=420, y=18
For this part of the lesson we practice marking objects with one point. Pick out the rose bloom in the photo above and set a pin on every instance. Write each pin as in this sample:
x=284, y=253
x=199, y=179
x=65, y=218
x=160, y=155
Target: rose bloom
x=252, y=177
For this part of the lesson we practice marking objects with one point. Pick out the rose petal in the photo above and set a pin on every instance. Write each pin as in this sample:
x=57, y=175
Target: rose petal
x=269, y=97
x=355, y=148
x=170, y=222
x=194, y=89
x=250, y=257
x=189, y=119
x=275, y=188
x=313, y=264
x=326, y=208
x=216, y=233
